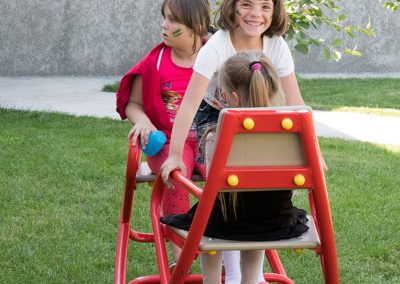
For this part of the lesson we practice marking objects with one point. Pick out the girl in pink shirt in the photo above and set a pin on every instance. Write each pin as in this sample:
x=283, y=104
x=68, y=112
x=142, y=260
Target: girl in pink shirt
x=151, y=92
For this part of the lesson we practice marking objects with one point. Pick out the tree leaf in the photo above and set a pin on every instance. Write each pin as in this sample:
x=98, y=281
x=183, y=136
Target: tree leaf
x=302, y=48
x=356, y=53
x=336, y=27
x=369, y=25
x=327, y=53
x=337, y=55
x=336, y=42
x=341, y=18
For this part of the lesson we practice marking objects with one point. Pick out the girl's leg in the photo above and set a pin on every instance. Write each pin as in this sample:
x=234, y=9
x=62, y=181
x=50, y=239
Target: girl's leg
x=211, y=266
x=251, y=265
x=231, y=261
x=175, y=201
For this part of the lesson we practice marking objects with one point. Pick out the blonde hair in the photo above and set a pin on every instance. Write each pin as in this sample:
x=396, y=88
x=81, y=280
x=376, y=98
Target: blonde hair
x=227, y=14
x=195, y=14
x=253, y=78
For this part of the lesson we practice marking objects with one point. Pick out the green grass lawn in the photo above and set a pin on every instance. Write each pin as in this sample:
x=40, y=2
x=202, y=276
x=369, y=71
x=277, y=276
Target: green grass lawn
x=376, y=96
x=61, y=182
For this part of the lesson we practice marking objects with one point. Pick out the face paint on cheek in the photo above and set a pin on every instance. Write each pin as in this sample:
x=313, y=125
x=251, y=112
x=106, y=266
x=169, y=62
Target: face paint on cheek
x=177, y=33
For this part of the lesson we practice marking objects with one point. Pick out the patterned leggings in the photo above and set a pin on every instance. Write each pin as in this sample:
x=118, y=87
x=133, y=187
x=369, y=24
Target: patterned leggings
x=175, y=201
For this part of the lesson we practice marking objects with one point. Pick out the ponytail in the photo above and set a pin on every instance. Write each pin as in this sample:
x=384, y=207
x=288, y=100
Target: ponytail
x=263, y=85
x=253, y=78
x=258, y=89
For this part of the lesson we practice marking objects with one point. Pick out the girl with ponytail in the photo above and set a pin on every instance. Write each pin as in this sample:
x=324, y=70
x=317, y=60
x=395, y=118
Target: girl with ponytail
x=247, y=80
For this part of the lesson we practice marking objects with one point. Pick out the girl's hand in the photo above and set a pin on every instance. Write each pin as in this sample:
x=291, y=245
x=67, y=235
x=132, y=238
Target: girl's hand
x=143, y=129
x=171, y=164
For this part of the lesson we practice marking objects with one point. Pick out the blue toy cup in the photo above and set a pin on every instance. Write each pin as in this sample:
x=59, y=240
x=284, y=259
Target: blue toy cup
x=156, y=141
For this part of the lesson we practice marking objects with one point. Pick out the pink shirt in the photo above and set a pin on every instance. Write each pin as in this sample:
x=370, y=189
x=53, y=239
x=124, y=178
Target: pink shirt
x=173, y=81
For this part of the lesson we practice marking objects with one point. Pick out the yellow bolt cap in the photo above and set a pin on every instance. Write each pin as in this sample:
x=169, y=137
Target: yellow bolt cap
x=233, y=180
x=212, y=252
x=287, y=123
x=299, y=180
x=298, y=250
x=248, y=123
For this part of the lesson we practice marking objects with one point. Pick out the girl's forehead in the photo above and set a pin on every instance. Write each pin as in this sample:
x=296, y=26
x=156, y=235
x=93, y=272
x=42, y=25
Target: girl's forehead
x=167, y=10
x=171, y=12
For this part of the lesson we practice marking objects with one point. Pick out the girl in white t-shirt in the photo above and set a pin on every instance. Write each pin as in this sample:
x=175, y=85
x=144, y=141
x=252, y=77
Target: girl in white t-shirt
x=246, y=25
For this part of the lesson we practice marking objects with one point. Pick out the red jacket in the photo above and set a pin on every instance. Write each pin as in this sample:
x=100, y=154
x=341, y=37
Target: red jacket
x=151, y=92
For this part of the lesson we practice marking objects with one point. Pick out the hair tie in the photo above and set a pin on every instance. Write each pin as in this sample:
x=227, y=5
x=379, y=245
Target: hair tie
x=255, y=66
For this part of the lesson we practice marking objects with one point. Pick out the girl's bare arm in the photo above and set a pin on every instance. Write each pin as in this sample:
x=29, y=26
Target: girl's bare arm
x=134, y=111
x=291, y=90
x=183, y=121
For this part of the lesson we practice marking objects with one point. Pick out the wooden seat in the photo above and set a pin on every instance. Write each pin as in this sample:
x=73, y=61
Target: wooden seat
x=308, y=240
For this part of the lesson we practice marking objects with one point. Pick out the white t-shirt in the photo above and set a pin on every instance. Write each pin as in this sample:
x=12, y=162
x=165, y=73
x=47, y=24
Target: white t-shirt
x=219, y=48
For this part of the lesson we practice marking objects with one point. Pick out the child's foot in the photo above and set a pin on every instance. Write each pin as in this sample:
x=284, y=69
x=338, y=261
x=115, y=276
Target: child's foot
x=172, y=267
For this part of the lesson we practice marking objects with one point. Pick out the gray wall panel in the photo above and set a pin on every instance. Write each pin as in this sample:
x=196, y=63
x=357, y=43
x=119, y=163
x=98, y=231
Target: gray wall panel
x=106, y=37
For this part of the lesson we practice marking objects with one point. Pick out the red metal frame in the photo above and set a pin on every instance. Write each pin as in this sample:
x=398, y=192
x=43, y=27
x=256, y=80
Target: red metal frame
x=125, y=232
x=249, y=177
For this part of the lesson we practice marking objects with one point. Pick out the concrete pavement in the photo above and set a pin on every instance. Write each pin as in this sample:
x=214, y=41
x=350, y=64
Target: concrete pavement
x=73, y=95
x=83, y=96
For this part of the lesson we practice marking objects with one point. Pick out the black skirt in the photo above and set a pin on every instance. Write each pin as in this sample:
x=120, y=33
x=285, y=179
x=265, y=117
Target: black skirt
x=260, y=216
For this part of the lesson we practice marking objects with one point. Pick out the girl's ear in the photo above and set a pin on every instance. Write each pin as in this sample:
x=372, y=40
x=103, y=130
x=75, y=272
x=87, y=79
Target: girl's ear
x=235, y=99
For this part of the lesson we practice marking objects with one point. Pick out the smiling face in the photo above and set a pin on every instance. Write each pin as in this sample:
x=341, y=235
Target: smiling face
x=175, y=34
x=253, y=17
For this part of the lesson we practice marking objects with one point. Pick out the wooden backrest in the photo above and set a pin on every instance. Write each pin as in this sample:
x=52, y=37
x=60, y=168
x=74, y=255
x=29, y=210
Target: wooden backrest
x=280, y=141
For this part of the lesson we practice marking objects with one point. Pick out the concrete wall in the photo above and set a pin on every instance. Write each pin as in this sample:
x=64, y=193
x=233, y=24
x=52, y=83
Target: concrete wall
x=106, y=37
x=75, y=37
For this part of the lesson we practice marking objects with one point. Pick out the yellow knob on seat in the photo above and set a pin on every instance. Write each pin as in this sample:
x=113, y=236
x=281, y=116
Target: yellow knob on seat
x=299, y=180
x=287, y=123
x=233, y=180
x=212, y=252
x=248, y=123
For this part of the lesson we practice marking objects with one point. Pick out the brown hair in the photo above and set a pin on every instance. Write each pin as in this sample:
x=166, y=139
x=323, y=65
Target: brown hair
x=195, y=14
x=255, y=81
x=227, y=12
